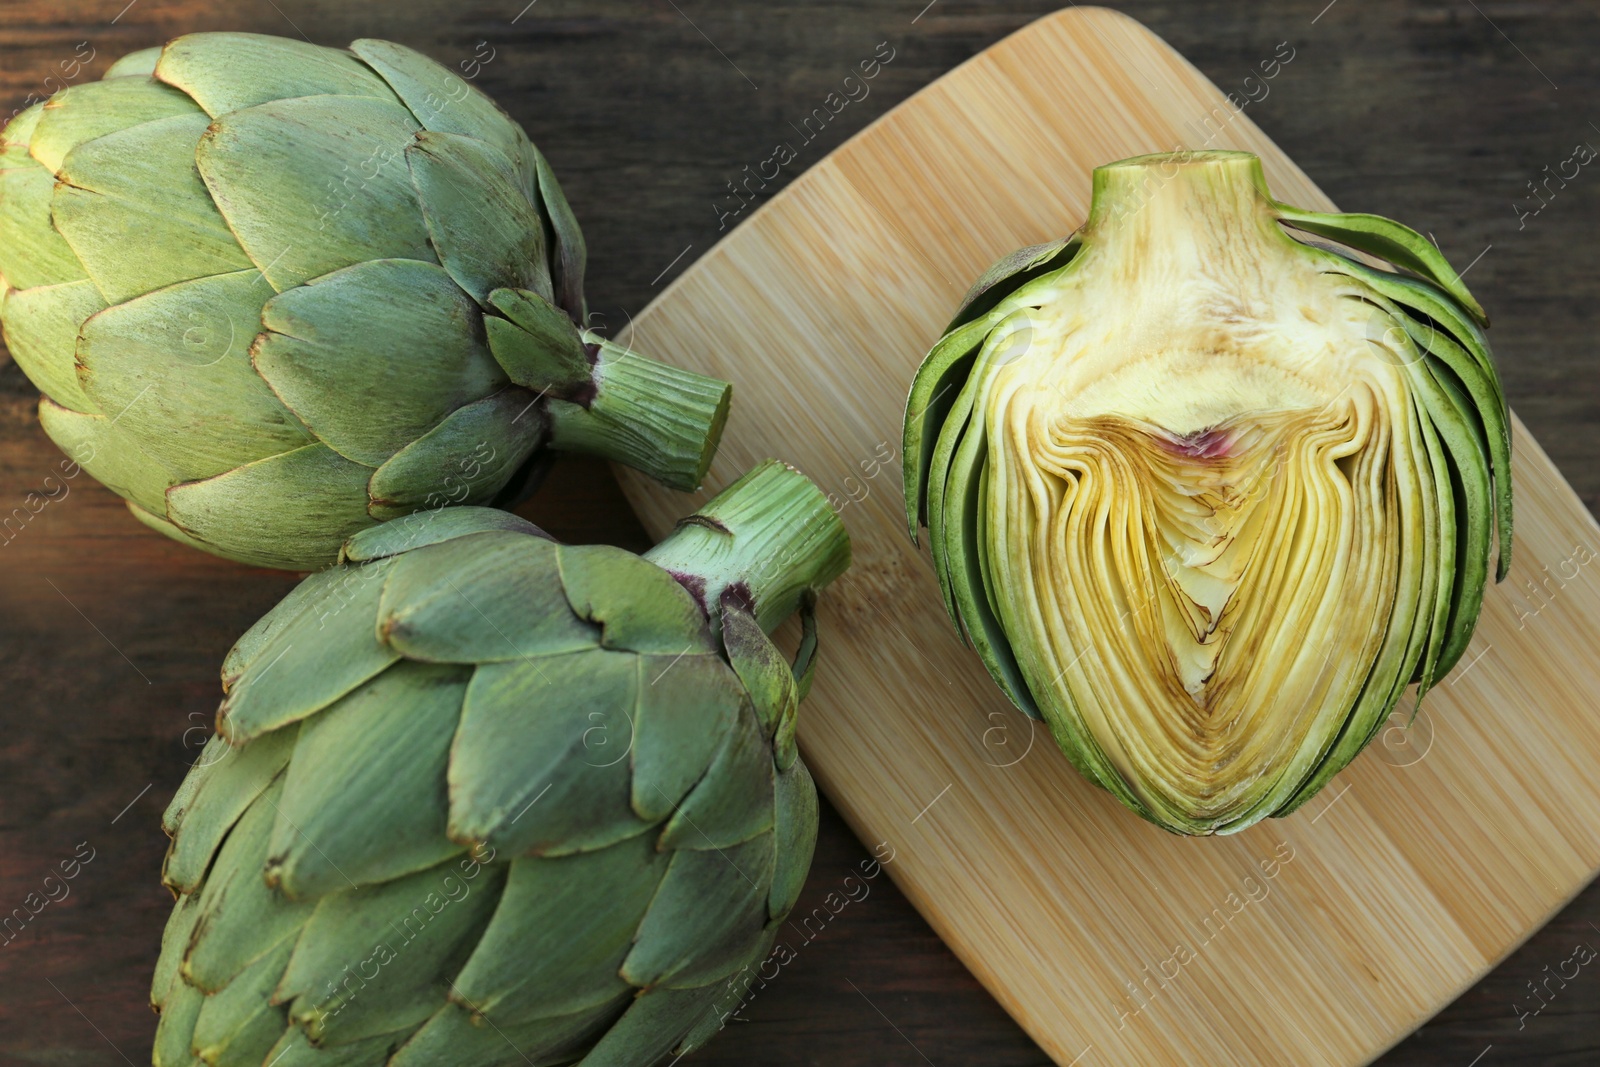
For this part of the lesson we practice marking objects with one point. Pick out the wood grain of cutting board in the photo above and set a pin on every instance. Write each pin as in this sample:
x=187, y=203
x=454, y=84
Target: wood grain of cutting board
x=1321, y=939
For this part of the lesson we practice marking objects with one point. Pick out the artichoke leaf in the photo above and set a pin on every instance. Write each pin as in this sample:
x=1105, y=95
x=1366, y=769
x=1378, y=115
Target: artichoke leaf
x=303, y=504
x=175, y=367
x=501, y=603
x=637, y=605
x=140, y=63
x=241, y=918
x=687, y=706
x=230, y=778
x=717, y=813
x=238, y=1026
x=1388, y=240
x=227, y=72
x=175, y=1032
x=42, y=332
x=108, y=452
x=375, y=960
x=711, y=905
x=540, y=761
x=459, y=1035
x=374, y=356
x=32, y=252
x=139, y=188
x=83, y=112
x=547, y=913
x=312, y=660
x=363, y=801
x=486, y=232
x=315, y=184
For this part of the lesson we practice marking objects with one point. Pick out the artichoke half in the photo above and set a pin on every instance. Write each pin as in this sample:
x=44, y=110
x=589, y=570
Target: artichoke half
x=275, y=293
x=479, y=798
x=1207, y=494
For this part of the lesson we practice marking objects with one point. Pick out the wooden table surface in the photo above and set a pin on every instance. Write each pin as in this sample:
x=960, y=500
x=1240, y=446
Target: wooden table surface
x=1436, y=113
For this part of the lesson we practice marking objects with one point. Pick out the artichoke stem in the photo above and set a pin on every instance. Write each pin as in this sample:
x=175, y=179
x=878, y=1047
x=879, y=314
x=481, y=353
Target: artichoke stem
x=1206, y=210
x=765, y=541
x=656, y=418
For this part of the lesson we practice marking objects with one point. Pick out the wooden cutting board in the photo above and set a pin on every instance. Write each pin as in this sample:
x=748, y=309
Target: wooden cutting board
x=1321, y=939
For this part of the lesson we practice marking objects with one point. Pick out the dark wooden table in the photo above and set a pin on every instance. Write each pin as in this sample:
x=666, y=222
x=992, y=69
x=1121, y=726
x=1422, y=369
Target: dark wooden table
x=1437, y=113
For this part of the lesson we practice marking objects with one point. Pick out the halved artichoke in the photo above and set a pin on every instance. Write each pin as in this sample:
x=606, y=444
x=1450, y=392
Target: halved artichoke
x=275, y=293
x=1207, y=494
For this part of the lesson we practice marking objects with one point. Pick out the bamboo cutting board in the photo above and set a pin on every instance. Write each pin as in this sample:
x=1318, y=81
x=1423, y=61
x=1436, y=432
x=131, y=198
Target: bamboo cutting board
x=1321, y=939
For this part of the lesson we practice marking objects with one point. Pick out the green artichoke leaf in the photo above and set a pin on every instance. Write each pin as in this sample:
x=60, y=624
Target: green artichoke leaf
x=176, y=1029
x=313, y=660
x=500, y=601
x=362, y=800
x=230, y=779
x=637, y=605
x=537, y=344
x=571, y=253
x=227, y=72
x=487, y=233
x=412, y=932
x=718, y=812
x=138, y=188
x=42, y=332
x=108, y=452
x=441, y=100
x=1473, y=510
x=687, y=706
x=311, y=595
x=166, y=982
x=1389, y=240
x=141, y=63
x=89, y=110
x=711, y=905
x=241, y=918
x=457, y=1035
x=240, y=1024
x=473, y=452
x=548, y=913
x=794, y=833
x=651, y=1027
x=294, y=1049
x=32, y=252
x=761, y=668
x=374, y=356
x=540, y=763
x=16, y=134
x=934, y=393
x=174, y=366
x=1444, y=318
x=316, y=184
x=303, y=504
x=1010, y=274
x=421, y=529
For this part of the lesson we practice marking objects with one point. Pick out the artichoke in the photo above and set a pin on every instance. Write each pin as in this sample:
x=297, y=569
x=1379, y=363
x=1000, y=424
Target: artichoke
x=1207, y=493
x=479, y=798
x=275, y=293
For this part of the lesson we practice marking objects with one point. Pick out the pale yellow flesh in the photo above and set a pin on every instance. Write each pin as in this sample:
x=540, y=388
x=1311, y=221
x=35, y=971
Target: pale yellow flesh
x=1200, y=474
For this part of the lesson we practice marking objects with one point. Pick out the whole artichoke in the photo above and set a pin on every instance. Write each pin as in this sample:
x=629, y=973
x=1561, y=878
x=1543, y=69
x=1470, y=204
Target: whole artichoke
x=275, y=293
x=479, y=798
x=1208, y=496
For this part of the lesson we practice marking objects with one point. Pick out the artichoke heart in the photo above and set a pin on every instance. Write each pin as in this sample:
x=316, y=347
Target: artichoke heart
x=1207, y=492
